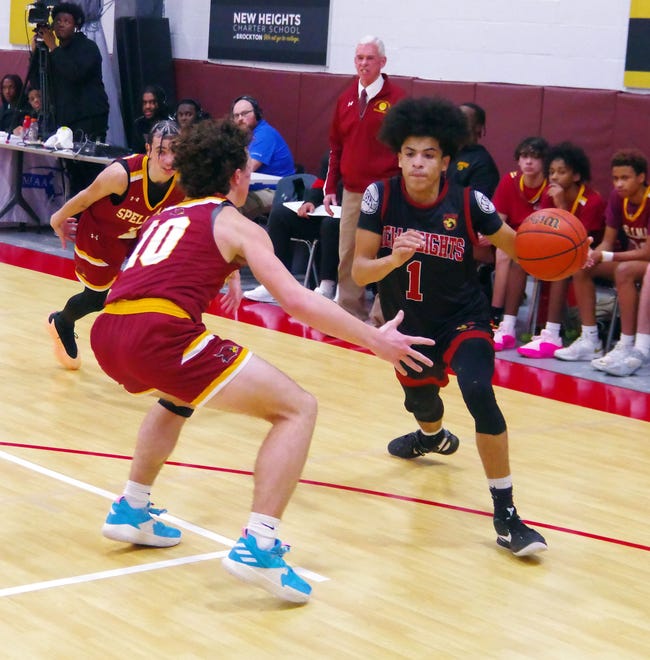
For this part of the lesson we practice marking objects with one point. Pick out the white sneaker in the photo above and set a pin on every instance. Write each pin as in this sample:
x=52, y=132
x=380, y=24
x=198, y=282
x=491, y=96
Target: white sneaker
x=582, y=350
x=259, y=294
x=627, y=364
x=327, y=289
x=616, y=355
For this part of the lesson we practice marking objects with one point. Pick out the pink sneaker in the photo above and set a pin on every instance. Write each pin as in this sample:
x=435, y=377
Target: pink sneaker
x=543, y=345
x=502, y=341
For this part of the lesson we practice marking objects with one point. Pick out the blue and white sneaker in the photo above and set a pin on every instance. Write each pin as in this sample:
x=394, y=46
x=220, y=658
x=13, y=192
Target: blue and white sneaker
x=266, y=569
x=138, y=526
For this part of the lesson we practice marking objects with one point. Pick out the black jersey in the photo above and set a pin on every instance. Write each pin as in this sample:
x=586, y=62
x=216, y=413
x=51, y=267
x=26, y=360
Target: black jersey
x=439, y=285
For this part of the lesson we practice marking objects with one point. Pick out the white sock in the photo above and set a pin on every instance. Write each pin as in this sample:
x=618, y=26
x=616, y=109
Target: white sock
x=327, y=287
x=500, y=484
x=508, y=324
x=432, y=432
x=137, y=495
x=590, y=332
x=626, y=340
x=642, y=343
x=554, y=329
x=264, y=528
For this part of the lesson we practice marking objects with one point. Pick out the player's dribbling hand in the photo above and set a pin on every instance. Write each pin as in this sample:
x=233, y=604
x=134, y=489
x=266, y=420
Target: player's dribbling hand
x=398, y=348
x=406, y=245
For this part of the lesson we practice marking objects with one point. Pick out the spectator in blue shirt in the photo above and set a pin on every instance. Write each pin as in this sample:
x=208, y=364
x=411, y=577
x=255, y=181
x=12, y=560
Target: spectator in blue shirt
x=269, y=154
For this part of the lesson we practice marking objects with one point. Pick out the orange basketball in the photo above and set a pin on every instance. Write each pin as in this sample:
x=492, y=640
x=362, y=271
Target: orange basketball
x=551, y=244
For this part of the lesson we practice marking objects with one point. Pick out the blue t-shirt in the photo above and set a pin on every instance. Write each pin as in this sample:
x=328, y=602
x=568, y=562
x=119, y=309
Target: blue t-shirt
x=270, y=148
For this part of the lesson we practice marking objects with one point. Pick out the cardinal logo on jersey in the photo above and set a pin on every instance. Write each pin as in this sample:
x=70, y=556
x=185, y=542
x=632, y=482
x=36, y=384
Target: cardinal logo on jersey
x=449, y=222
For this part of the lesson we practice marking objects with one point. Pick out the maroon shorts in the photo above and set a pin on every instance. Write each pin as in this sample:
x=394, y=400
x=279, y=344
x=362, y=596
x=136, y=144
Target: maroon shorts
x=149, y=351
x=99, y=258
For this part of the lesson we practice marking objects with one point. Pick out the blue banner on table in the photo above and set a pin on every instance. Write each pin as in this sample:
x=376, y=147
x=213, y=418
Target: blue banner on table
x=292, y=31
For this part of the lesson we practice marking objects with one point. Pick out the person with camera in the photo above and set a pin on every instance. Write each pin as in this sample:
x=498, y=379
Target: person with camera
x=74, y=93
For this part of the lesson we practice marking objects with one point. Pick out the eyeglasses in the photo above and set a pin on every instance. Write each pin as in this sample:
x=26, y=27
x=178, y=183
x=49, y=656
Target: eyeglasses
x=243, y=113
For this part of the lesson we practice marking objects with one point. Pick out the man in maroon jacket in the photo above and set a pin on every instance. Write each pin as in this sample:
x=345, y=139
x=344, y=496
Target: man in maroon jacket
x=357, y=157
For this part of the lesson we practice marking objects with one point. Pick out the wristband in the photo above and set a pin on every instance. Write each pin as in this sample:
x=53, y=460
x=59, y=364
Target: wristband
x=607, y=256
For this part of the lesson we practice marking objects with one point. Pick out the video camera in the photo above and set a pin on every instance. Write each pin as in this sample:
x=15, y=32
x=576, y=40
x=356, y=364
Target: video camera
x=40, y=13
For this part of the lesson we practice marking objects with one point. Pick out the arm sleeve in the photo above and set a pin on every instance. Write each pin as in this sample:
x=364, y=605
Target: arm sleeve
x=485, y=217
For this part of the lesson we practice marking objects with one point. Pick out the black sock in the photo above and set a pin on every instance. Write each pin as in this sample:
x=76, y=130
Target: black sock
x=428, y=442
x=496, y=314
x=502, y=500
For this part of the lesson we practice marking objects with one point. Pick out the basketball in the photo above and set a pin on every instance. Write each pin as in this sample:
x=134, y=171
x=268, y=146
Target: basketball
x=551, y=244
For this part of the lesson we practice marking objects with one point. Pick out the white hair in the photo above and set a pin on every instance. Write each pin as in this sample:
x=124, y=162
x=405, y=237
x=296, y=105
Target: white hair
x=369, y=39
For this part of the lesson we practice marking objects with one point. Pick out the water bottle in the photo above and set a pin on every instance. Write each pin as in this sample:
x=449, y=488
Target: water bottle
x=26, y=122
x=33, y=132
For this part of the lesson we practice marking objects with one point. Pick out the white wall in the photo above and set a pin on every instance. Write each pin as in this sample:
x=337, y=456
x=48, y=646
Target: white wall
x=569, y=43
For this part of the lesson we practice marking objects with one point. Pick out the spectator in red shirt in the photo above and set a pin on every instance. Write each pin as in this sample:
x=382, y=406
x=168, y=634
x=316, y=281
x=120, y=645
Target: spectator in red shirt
x=357, y=157
x=516, y=197
x=568, y=172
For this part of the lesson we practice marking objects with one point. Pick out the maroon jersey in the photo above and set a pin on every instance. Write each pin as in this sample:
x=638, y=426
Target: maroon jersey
x=108, y=228
x=176, y=259
x=515, y=200
x=588, y=207
x=633, y=220
x=150, y=336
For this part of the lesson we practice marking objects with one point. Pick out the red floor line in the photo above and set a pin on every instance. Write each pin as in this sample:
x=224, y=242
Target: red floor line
x=511, y=375
x=351, y=489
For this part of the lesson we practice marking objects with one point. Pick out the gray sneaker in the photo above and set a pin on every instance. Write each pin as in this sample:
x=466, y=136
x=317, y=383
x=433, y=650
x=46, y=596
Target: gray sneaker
x=616, y=355
x=582, y=350
x=627, y=365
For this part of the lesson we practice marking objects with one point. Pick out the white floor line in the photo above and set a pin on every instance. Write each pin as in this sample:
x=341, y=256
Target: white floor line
x=190, y=527
x=103, y=575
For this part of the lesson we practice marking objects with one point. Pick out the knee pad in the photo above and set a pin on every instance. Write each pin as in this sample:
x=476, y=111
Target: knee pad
x=181, y=411
x=424, y=403
x=482, y=405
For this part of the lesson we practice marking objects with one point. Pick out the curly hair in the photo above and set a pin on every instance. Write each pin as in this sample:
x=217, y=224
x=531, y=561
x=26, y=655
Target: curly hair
x=437, y=118
x=574, y=158
x=208, y=154
x=71, y=8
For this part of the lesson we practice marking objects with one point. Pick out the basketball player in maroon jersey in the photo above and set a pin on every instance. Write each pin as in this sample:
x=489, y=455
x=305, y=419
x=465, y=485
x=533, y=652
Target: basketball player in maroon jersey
x=628, y=211
x=150, y=338
x=415, y=239
x=113, y=209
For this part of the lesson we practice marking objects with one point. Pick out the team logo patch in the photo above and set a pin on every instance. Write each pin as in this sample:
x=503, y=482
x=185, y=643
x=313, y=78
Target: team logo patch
x=462, y=165
x=227, y=353
x=484, y=202
x=382, y=106
x=370, y=200
x=449, y=222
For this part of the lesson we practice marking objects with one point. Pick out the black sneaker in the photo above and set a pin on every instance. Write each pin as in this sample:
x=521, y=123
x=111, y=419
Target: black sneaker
x=410, y=445
x=64, y=338
x=520, y=539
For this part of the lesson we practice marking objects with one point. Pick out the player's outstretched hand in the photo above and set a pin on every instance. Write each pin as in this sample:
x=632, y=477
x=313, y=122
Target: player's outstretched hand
x=398, y=348
x=231, y=299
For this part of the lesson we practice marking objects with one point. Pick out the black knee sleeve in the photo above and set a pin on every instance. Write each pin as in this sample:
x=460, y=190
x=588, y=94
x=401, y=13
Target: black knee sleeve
x=473, y=364
x=182, y=411
x=424, y=403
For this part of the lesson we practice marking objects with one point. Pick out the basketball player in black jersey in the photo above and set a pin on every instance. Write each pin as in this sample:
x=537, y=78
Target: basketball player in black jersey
x=415, y=237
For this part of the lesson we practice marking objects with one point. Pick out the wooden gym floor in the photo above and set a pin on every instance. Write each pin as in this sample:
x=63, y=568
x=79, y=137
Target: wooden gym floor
x=402, y=555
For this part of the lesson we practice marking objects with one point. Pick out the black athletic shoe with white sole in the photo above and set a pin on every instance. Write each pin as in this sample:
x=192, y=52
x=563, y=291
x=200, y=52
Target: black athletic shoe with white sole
x=520, y=539
x=414, y=444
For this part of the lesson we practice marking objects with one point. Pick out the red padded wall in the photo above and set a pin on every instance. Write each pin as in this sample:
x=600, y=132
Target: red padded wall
x=458, y=92
x=513, y=112
x=586, y=117
x=632, y=122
